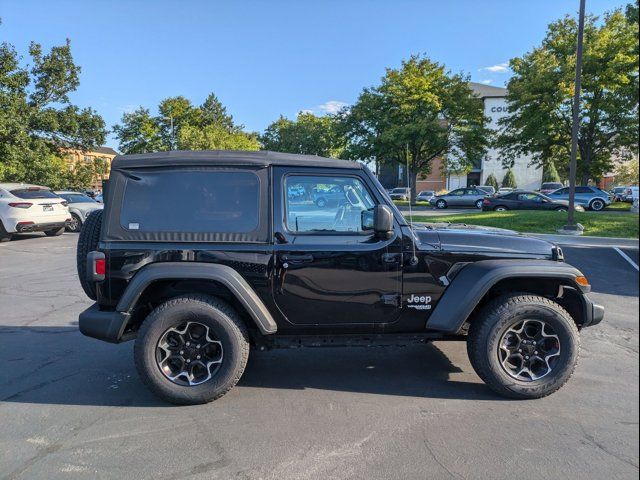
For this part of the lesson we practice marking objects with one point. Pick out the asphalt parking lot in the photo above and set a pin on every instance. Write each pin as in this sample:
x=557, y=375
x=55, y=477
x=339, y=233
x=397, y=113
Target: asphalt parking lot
x=73, y=407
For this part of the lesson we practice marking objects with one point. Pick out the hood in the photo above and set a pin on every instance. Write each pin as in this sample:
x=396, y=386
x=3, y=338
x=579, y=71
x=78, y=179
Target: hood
x=488, y=240
x=86, y=206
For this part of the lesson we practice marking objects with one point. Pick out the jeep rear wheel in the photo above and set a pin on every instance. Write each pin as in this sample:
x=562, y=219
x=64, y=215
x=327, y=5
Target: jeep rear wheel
x=191, y=349
x=523, y=346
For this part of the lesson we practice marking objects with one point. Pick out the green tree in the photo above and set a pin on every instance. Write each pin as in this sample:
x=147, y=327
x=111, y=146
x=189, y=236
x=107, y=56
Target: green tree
x=37, y=119
x=307, y=134
x=181, y=125
x=417, y=113
x=509, y=180
x=491, y=181
x=139, y=132
x=540, y=97
x=215, y=137
x=550, y=174
x=627, y=172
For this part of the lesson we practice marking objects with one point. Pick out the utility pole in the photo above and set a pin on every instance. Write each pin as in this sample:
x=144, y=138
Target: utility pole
x=575, y=129
x=173, y=136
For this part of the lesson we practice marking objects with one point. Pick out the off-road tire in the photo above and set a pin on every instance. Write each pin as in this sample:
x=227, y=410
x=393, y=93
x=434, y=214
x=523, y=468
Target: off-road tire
x=4, y=235
x=495, y=318
x=441, y=204
x=56, y=232
x=221, y=318
x=88, y=242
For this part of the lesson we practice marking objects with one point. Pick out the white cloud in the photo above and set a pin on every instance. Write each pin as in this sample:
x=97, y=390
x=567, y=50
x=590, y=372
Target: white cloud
x=499, y=68
x=332, y=106
x=486, y=82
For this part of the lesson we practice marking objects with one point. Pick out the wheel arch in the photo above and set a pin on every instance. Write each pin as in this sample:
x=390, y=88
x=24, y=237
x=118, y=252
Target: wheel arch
x=482, y=281
x=159, y=282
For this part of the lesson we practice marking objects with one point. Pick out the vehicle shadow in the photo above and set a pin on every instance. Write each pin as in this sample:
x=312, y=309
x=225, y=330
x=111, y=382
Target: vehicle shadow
x=57, y=365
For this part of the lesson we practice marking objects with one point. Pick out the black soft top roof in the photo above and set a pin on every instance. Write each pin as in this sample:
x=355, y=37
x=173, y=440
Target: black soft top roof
x=226, y=157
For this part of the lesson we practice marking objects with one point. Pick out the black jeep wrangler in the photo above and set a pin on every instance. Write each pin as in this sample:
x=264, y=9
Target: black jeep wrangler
x=199, y=256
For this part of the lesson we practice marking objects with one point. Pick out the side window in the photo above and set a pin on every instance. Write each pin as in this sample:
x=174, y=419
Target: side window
x=193, y=201
x=583, y=190
x=562, y=191
x=327, y=204
x=472, y=191
x=457, y=193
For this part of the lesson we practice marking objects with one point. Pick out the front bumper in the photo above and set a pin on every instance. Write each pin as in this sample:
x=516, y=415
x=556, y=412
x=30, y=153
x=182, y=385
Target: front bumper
x=106, y=325
x=594, y=313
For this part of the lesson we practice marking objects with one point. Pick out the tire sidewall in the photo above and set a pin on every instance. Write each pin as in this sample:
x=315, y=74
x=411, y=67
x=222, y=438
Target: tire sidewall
x=599, y=203
x=222, y=327
x=569, y=349
x=441, y=204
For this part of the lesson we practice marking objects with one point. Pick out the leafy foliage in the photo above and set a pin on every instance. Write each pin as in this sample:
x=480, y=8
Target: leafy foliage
x=307, y=134
x=627, y=173
x=541, y=89
x=37, y=120
x=491, y=181
x=417, y=113
x=509, y=180
x=183, y=126
x=550, y=174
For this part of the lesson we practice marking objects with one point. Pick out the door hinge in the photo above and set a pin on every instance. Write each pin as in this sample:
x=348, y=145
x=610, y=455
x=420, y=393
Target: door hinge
x=391, y=299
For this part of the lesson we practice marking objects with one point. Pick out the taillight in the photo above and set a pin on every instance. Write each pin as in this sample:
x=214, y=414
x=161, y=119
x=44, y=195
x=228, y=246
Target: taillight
x=64, y=203
x=96, y=266
x=100, y=266
x=20, y=204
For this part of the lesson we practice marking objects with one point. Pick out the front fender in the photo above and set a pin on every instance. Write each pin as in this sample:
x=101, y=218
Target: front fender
x=473, y=282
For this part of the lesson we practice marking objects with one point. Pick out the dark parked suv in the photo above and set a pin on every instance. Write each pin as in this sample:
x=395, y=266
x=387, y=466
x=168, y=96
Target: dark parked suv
x=199, y=256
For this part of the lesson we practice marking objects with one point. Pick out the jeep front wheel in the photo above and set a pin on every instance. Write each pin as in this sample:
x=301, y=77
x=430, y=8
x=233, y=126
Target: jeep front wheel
x=191, y=349
x=523, y=346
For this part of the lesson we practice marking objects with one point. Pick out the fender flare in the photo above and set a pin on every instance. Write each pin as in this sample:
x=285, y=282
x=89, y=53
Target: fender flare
x=227, y=276
x=472, y=283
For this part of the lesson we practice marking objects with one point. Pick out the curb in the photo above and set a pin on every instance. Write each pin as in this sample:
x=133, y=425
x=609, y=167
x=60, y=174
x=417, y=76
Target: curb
x=587, y=241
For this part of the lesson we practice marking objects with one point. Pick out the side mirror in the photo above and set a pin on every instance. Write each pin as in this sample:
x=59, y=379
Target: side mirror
x=383, y=221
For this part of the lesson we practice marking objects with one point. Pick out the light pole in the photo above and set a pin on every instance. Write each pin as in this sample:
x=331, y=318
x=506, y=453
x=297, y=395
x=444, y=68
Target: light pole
x=173, y=137
x=575, y=128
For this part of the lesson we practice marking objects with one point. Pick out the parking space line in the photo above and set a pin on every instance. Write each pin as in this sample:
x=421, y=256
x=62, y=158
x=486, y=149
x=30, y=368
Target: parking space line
x=626, y=257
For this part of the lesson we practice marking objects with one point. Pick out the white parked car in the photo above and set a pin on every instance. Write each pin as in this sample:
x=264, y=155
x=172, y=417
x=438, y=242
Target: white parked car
x=31, y=208
x=504, y=190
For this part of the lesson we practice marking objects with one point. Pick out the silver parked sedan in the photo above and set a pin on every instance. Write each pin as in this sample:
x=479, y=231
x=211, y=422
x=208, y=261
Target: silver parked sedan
x=80, y=206
x=460, y=197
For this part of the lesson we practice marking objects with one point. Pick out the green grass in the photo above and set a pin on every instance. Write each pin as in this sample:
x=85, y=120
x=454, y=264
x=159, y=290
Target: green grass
x=596, y=224
x=619, y=206
x=405, y=203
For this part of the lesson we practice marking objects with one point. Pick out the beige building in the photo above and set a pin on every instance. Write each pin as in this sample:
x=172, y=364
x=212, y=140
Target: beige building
x=76, y=157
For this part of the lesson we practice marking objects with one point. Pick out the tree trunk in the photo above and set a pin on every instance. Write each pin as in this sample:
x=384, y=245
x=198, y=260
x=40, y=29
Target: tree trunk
x=413, y=176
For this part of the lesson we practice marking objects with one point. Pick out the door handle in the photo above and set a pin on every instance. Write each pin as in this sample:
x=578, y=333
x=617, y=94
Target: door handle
x=296, y=259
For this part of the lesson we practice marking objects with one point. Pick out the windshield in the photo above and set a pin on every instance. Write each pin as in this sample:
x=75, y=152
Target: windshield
x=33, y=193
x=76, y=198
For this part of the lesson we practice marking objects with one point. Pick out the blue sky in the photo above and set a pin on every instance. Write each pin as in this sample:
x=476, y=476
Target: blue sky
x=267, y=58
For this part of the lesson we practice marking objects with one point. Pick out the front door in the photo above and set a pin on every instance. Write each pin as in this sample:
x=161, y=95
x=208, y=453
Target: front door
x=329, y=270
